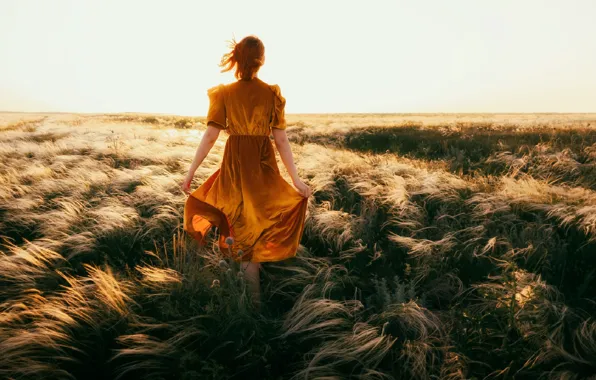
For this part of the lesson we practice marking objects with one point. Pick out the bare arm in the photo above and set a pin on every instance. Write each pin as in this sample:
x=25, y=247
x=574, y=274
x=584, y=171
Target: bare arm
x=285, y=152
x=207, y=142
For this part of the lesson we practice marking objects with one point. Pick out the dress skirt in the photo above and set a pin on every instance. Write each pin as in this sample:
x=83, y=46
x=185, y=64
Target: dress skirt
x=248, y=200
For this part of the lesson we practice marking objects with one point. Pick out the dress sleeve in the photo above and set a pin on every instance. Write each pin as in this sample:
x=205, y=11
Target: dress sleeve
x=278, y=118
x=216, y=115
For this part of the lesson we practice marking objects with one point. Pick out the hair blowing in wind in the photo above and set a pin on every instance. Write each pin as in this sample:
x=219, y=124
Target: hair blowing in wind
x=246, y=57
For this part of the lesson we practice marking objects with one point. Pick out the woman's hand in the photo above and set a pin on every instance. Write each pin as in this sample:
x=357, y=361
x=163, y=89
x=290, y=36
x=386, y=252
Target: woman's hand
x=302, y=188
x=186, y=184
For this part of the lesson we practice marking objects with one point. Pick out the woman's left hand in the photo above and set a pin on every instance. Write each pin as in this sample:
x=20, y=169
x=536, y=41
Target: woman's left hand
x=186, y=185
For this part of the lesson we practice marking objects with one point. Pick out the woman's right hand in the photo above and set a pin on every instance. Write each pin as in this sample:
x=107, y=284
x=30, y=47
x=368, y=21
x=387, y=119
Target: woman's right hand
x=185, y=186
x=302, y=188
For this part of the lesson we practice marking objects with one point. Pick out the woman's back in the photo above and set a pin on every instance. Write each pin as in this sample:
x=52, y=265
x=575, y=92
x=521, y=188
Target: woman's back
x=246, y=107
x=260, y=216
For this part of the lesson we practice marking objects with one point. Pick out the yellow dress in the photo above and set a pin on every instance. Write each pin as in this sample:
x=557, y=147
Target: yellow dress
x=247, y=198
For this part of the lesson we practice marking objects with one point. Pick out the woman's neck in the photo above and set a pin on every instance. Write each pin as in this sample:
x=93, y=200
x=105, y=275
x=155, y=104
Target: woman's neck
x=249, y=79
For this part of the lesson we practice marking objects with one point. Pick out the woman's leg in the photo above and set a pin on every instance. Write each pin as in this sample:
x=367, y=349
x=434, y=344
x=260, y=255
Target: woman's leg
x=251, y=274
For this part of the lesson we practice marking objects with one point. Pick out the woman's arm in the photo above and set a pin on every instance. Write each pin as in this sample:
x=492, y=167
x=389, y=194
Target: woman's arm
x=207, y=142
x=285, y=151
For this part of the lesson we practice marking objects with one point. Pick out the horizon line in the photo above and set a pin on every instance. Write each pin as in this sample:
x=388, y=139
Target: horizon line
x=310, y=113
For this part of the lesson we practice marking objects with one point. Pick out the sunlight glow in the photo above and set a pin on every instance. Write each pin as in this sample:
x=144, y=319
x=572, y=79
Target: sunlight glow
x=327, y=56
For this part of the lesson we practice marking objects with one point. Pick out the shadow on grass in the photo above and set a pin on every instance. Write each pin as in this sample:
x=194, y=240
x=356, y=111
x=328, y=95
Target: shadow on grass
x=568, y=153
x=46, y=137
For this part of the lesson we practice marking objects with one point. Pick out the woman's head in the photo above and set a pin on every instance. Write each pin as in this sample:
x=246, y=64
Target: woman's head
x=246, y=57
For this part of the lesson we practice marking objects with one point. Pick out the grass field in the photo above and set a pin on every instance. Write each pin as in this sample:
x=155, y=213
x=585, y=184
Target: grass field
x=436, y=247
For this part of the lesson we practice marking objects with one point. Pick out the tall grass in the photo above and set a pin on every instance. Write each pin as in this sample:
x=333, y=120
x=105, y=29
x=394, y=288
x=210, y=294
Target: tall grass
x=451, y=252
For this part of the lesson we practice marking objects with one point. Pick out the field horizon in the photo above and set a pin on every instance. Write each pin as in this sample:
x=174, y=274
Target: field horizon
x=495, y=116
x=437, y=246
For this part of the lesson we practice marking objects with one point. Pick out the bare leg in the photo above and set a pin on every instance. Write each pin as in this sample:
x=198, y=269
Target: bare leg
x=251, y=274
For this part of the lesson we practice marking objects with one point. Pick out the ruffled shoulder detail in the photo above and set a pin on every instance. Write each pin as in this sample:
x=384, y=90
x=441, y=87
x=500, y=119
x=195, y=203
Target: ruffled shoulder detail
x=216, y=115
x=277, y=91
x=278, y=119
x=216, y=91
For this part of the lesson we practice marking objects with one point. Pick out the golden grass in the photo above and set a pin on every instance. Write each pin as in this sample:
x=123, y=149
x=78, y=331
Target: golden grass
x=436, y=246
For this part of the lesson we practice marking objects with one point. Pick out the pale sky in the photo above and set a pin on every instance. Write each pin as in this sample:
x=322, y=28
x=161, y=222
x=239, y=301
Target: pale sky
x=326, y=55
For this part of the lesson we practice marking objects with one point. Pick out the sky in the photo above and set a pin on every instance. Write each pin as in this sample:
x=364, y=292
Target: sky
x=328, y=56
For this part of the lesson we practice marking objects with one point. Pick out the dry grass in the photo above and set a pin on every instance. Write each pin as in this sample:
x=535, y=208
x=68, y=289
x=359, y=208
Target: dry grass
x=436, y=246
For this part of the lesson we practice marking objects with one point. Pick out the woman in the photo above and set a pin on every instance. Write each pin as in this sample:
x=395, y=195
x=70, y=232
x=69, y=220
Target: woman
x=259, y=215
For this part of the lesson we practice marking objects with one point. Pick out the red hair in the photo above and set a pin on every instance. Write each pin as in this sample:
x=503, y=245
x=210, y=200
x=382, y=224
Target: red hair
x=246, y=57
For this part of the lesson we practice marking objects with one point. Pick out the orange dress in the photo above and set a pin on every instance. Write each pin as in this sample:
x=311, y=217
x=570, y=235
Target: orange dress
x=247, y=198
